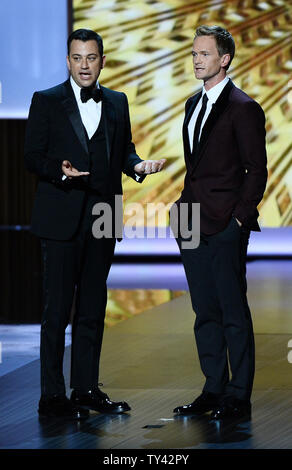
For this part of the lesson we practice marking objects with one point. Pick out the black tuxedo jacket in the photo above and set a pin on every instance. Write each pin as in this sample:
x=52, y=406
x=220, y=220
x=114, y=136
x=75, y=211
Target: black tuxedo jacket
x=229, y=174
x=55, y=133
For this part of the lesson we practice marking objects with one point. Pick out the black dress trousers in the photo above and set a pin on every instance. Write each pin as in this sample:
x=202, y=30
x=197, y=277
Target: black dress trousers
x=216, y=275
x=82, y=263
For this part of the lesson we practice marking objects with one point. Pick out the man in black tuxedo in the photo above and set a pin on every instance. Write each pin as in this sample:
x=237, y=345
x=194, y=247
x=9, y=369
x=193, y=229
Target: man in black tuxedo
x=225, y=155
x=78, y=142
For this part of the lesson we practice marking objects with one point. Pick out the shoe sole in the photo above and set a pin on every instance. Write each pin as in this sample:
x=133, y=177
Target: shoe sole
x=243, y=417
x=101, y=410
x=197, y=413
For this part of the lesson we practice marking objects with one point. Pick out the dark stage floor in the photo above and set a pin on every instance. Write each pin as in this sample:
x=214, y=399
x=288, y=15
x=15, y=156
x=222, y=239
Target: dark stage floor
x=150, y=361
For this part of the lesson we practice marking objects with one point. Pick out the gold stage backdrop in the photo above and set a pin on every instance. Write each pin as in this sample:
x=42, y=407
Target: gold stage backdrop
x=148, y=47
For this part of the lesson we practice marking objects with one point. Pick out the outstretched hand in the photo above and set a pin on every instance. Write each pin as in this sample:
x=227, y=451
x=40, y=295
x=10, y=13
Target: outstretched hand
x=148, y=167
x=70, y=171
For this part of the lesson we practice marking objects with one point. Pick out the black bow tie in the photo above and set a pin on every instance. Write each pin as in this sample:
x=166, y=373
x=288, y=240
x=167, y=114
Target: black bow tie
x=88, y=92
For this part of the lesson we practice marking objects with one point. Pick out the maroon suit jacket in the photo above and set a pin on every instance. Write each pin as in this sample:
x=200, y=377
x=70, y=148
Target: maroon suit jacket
x=228, y=176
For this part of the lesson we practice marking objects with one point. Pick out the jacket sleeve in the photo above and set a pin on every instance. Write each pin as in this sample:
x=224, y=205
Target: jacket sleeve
x=36, y=145
x=131, y=158
x=249, y=127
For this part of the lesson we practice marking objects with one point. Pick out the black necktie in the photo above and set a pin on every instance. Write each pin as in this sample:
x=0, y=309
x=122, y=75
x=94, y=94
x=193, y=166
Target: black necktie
x=88, y=92
x=199, y=123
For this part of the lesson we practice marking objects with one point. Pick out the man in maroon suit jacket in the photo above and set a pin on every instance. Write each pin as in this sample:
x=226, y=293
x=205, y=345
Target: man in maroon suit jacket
x=225, y=155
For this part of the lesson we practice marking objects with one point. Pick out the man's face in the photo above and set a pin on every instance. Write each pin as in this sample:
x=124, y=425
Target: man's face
x=84, y=62
x=208, y=65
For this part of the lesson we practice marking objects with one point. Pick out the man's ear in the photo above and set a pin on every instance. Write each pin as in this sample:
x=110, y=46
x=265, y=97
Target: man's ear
x=103, y=61
x=68, y=63
x=225, y=59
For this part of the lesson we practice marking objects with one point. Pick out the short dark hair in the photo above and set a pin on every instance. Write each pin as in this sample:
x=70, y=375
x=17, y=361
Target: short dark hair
x=224, y=41
x=85, y=35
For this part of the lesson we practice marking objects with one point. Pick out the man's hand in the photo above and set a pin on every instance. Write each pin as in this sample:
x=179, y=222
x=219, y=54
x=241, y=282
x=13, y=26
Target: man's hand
x=149, y=166
x=70, y=171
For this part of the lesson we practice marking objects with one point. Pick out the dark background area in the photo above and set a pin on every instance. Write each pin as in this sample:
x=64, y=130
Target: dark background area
x=20, y=278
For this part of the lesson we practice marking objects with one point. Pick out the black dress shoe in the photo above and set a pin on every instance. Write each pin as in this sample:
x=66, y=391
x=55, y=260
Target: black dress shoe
x=232, y=408
x=98, y=401
x=59, y=406
x=207, y=401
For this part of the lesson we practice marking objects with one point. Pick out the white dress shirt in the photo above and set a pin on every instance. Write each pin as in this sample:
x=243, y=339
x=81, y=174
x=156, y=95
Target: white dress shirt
x=90, y=114
x=212, y=94
x=90, y=111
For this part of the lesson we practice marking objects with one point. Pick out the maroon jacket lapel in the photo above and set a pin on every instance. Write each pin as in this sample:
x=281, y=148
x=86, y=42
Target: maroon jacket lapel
x=218, y=109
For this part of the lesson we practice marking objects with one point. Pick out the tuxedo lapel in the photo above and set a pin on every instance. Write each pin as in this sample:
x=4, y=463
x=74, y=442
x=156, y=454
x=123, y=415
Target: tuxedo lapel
x=109, y=119
x=194, y=101
x=218, y=109
x=70, y=105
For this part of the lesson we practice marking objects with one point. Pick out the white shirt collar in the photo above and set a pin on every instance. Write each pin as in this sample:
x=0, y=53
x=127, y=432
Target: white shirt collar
x=215, y=91
x=77, y=88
